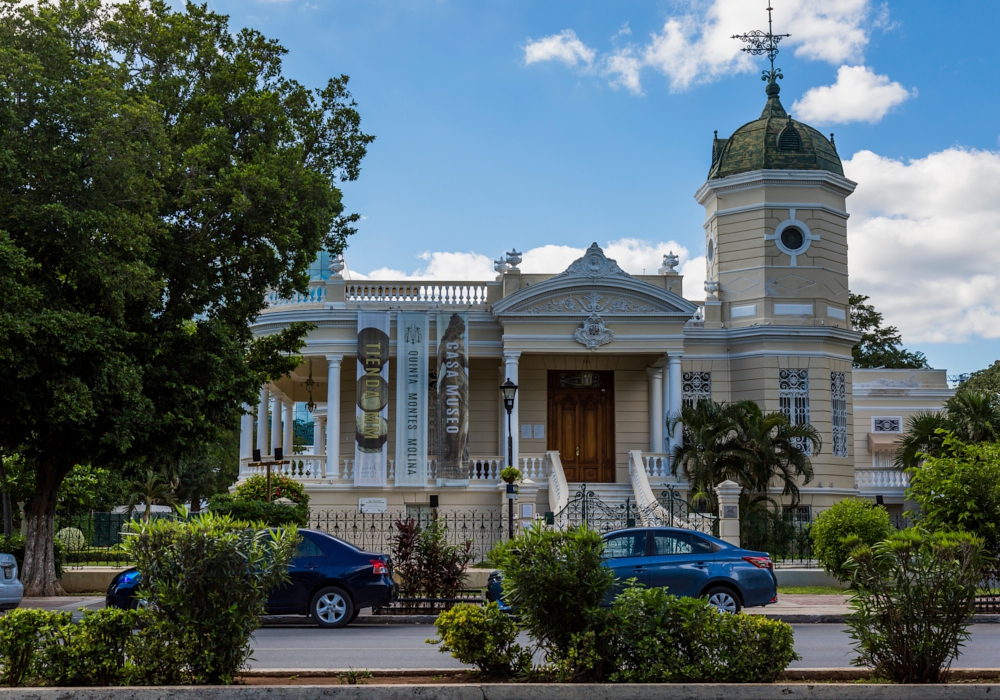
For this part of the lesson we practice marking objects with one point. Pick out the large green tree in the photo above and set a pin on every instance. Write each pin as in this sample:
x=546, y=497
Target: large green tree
x=880, y=346
x=969, y=417
x=158, y=174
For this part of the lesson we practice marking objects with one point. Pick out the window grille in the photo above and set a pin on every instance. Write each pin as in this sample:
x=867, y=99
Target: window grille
x=697, y=387
x=793, y=393
x=838, y=401
x=887, y=424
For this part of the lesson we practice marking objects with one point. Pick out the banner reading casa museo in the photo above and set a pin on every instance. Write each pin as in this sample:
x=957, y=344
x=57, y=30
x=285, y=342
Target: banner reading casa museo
x=411, y=398
x=372, y=427
x=453, y=395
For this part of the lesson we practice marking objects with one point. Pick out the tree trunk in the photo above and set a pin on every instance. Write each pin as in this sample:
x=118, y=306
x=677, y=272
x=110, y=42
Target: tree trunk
x=39, y=573
x=8, y=514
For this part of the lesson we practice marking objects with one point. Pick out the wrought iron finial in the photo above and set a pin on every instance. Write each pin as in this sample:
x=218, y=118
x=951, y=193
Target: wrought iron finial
x=759, y=43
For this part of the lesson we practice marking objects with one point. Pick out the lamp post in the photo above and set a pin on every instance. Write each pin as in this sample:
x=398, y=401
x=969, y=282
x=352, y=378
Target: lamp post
x=509, y=390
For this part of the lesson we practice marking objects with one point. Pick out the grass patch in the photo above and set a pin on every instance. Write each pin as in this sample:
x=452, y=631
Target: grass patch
x=811, y=590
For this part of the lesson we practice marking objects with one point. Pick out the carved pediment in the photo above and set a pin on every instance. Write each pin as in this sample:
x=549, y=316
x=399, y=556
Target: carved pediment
x=592, y=285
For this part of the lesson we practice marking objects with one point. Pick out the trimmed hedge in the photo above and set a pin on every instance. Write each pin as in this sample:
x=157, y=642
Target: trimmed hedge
x=271, y=514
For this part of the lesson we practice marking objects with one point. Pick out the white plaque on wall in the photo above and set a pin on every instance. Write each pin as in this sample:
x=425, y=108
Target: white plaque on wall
x=372, y=505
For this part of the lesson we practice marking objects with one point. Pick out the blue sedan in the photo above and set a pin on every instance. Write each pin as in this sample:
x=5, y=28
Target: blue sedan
x=331, y=580
x=686, y=563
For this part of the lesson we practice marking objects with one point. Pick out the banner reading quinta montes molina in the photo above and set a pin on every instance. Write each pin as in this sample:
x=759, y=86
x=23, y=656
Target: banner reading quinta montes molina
x=372, y=427
x=411, y=398
x=453, y=395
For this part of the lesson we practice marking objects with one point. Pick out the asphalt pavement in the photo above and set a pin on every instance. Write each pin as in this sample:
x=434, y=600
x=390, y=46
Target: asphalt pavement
x=403, y=647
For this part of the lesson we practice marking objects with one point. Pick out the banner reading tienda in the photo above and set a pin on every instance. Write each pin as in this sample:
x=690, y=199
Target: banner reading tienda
x=453, y=396
x=372, y=427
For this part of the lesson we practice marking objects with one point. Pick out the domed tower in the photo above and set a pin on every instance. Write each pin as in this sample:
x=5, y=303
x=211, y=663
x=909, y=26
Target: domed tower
x=776, y=224
x=777, y=287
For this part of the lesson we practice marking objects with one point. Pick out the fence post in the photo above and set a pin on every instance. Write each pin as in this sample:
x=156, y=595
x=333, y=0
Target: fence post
x=729, y=511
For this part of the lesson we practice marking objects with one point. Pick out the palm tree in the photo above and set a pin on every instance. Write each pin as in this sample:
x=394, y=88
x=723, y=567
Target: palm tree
x=971, y=416
x=151, y=491
x=740, y=442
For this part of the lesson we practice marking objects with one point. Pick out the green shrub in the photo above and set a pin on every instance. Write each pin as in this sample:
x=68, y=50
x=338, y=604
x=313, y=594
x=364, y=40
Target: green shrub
x=15, y=545
x=254, y=488
x=483, y=636
x=655, y=637
x=71, y=538
x=207, y=580
x=913, y=603
x=557, y=582
x=660, y=638
x=157, y=653
x=753, y=648
x=271, y=514
x=426, y=563
x=22, y=633
x=961, y=491
x=849, y=518
x=90, y=653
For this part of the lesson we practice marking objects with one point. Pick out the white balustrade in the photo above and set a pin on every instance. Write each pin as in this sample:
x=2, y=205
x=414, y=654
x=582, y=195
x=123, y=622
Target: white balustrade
x=868, y=479
x=315, y=295
x=451, y=293
x=534, y=467
x=657, y=464
x=485, y=468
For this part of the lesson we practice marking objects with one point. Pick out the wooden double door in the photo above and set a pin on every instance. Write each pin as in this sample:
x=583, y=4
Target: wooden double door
x=581, y=417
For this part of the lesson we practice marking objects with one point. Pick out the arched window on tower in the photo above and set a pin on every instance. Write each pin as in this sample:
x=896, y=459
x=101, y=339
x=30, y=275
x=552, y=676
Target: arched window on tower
x=789, y=139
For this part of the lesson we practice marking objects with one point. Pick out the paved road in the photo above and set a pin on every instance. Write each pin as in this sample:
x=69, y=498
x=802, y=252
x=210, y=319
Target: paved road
x=402, y=646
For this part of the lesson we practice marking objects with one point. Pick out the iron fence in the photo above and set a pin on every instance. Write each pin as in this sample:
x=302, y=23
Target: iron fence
x=785, y=536
x=586, y=508
x=682, y=514
x=95, y=539
x=375, y=532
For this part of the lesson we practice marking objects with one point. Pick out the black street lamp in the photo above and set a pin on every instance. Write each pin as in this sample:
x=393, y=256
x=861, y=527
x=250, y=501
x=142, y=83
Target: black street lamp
x=509, y=390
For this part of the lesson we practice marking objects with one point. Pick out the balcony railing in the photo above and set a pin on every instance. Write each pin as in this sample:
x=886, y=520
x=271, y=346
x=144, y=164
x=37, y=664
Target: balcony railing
x=869, y=479
x=315, y=295
x=482, y=470
x=451, y=293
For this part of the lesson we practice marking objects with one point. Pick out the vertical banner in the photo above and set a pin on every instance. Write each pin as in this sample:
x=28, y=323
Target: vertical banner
x=372, y=426
x=453, y=395
x=411, y=398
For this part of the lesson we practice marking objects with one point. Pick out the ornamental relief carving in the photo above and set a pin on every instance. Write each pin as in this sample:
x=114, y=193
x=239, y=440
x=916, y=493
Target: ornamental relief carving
x=592, y=303
x=594, y=333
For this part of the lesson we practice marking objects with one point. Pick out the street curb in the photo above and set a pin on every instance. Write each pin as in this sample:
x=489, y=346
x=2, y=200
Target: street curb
x=515, y=691
x=795, y=619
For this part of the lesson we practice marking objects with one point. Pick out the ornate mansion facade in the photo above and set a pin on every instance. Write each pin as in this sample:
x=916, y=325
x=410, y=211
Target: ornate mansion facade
x=403, y=377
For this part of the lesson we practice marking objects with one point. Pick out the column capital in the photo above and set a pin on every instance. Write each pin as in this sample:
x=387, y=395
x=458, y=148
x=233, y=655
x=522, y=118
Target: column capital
x=511, y=356
x=334, y=359
x=675, y=357
x=654, y=372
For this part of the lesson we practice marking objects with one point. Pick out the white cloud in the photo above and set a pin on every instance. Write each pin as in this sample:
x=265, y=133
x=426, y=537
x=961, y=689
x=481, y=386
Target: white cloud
x=858, y=95
x=633, y=255
x=925, y=242
x=565, y=47
x=698, y=47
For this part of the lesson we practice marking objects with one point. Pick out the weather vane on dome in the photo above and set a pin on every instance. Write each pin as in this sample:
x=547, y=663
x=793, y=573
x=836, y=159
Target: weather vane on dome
x=758, y=43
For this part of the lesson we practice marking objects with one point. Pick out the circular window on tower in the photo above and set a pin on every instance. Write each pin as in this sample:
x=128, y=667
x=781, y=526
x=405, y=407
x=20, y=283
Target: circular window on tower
x=711, y=251
x=792, y=237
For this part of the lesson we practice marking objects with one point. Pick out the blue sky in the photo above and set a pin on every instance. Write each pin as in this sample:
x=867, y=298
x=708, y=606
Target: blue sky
x=534, y=124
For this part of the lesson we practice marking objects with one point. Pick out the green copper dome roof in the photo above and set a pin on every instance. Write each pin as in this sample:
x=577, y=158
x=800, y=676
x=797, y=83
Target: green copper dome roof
x=773, y=142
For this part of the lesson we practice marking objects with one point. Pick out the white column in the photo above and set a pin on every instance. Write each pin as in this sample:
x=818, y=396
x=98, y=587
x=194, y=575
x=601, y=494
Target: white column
x=246, y=432
x=289, y=425
x=665, y=407
x=510, y=360
x=502, y=439
x=676, y=397
x=275, y=421
x=333, y=416
x=319, y=435
x=655, y=375
x=262, y=422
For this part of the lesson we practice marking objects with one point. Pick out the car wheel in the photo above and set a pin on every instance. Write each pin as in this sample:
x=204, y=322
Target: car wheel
x=357, y=611
x=723, y=599
x=332, y=607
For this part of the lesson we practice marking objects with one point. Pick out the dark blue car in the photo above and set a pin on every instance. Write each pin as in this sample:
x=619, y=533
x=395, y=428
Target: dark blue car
x=687, y=563
x=331, y=580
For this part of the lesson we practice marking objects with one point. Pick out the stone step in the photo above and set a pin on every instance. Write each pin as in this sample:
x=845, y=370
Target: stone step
x=612, y=494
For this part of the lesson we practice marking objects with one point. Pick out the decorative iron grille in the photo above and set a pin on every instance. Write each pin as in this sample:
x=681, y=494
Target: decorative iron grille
x=838, y=401
x=793, y=395
x=375, y=532
x=890, y=424
x=697, y=387
x=586, y=507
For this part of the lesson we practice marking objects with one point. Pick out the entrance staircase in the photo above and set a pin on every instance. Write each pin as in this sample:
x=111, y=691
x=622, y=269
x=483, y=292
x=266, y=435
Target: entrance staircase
x=612, y=494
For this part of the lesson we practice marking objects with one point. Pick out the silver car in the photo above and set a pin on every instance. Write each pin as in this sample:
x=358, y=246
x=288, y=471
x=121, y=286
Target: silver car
x=11, y=590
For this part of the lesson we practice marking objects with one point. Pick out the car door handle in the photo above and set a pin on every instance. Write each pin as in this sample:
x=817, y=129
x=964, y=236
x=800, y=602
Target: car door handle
x=702, y=565
x=639, y=568
x=312, y=567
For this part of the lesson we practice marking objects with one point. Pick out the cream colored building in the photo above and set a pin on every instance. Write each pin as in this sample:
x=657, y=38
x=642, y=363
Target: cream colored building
x=603, y=358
